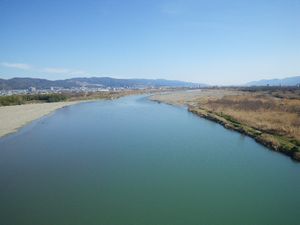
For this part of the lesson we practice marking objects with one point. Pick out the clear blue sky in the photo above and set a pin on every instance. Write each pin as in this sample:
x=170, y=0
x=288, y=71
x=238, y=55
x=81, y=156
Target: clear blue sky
x=209, y=41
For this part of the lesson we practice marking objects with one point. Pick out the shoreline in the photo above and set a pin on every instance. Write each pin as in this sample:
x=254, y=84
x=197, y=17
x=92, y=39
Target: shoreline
x=259, y=136
x=13, y=118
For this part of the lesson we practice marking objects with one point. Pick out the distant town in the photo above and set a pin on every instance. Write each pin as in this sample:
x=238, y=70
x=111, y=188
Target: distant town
x=24, y=86
x=20, y=86
x=59, y=90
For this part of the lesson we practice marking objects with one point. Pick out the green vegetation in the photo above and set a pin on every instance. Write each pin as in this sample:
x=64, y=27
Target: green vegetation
x=23, y=99
x=69, y=96
x=229, y=118
x=284, y=144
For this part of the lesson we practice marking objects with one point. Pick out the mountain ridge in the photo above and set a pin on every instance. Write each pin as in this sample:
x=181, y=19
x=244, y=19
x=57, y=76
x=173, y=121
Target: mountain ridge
x=289, y=81
x=39, y=83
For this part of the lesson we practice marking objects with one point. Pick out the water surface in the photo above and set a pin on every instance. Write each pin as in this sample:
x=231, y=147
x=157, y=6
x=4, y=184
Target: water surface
x=135, y=162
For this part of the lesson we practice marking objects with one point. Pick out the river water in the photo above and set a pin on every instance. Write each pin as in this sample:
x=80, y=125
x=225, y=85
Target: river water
x=135, y=162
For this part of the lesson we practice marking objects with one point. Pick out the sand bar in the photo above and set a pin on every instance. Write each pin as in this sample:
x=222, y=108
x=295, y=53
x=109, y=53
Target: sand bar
x=14, y=117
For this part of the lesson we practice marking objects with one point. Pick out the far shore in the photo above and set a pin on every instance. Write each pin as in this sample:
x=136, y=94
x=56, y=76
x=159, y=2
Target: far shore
x=12, y=118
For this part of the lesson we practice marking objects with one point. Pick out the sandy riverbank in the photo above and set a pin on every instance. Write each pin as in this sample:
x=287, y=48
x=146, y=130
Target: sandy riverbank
x=14, y=117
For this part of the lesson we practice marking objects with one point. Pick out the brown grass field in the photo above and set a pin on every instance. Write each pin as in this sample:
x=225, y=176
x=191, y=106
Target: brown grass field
x=262, y=112
x=272, y=117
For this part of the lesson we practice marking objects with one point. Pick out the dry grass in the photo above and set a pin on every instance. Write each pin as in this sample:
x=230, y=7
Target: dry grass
x=271, y=117
x=278, y=116
x=191, y=97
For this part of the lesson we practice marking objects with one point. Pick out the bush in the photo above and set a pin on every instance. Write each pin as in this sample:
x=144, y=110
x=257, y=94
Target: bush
x=22, y=99
x=11, y=100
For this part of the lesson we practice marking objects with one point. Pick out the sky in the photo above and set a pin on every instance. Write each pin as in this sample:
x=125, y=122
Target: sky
x=221, y=42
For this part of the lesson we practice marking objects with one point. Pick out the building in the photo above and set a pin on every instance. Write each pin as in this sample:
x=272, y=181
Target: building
x=32, y=89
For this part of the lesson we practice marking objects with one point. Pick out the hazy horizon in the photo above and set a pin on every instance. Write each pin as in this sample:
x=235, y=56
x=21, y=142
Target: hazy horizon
x=149, y=79
x=213, y=42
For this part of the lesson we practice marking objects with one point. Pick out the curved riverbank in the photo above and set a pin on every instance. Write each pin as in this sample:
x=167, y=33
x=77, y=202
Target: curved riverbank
x=283, y=146
x=12, y=118
x=204, y=103
x=132, y=161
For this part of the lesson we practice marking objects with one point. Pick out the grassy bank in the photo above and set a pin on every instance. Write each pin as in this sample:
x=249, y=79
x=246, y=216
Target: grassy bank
x=284, y=144
x=272, y=118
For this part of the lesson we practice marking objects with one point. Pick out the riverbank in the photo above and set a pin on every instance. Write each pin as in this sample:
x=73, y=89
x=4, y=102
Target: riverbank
x=14, y=117
x=270, y=120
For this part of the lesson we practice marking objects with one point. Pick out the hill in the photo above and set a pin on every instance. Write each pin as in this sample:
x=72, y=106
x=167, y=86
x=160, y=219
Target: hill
x=25, y=83
x=290, y=81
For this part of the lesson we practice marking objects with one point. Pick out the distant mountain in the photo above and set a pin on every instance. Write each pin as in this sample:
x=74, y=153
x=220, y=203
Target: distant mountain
x=25, y=83
x=290, y=81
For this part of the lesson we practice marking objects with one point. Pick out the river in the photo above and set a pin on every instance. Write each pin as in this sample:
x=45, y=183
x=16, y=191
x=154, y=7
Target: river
x=135, y=162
